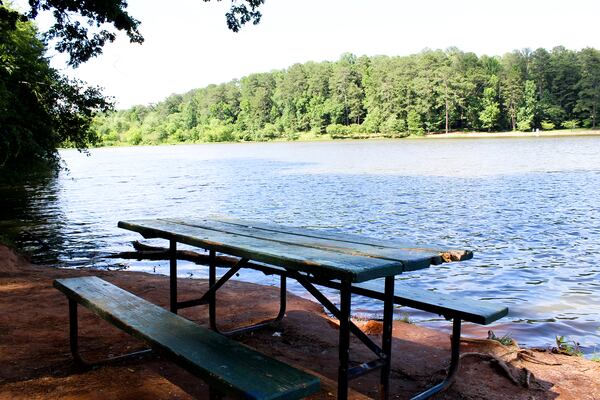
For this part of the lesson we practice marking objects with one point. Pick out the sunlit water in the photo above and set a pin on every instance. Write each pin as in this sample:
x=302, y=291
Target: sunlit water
x=529, y=208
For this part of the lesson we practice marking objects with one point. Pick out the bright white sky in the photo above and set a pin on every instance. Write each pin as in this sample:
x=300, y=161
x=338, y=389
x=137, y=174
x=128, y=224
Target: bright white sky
x=188, y=44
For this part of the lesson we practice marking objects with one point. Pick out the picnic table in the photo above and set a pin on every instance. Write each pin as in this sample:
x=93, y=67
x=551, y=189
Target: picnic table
x=313, y=258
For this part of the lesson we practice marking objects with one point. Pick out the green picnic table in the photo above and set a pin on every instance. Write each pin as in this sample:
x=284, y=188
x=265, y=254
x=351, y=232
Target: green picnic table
x=312, y=258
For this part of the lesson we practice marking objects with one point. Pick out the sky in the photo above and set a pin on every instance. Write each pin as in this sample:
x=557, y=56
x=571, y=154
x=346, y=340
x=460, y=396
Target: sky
x=187, y=43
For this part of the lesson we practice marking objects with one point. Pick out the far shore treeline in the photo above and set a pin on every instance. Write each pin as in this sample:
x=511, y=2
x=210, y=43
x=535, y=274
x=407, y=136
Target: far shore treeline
x=433, y=91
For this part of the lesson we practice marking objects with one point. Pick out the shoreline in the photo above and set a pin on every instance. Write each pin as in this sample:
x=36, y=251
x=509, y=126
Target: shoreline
x=37, y=364
x=487, y=135
x=559, y=133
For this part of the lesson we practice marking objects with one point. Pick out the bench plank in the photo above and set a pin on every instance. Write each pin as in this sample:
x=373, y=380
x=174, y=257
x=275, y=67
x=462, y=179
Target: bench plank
x=448, y=305
x=226, y=365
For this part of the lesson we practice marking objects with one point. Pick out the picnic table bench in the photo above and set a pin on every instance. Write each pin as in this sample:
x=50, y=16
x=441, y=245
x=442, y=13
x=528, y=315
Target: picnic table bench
x=316, y=258
x=228, y=367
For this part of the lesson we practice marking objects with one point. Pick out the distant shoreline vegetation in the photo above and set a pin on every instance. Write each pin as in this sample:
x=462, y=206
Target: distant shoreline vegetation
x=381, y=96
x=312, y=137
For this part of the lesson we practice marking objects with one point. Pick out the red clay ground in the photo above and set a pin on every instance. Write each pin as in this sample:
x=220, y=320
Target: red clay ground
x=35, y=362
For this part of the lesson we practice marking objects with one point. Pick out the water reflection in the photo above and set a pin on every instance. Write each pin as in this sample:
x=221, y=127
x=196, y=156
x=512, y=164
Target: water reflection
x=528, y=208
x=31, y=217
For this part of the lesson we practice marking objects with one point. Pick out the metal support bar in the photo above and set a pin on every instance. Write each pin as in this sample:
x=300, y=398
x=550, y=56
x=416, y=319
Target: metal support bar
x=212, y=279
x=386, y=337
x=304, y=281
x=355, y=289
x=173, y=276
x=213, y=288
x=266, y=269
x=74, y=344
x=344, y=341
x=191, y=303
x=210, y=296
x=262, y=324
x=228, y=275
x=452, y=369
x=363, y=368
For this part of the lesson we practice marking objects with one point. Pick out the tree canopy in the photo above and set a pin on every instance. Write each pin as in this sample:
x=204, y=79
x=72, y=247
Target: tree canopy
x=82, y=28
x=432, y=91
x=40, y=109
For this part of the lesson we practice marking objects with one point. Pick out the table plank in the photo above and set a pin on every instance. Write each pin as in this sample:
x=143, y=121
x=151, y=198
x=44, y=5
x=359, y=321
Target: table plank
x=349, y=240
x=312, y=260
x=412, y=257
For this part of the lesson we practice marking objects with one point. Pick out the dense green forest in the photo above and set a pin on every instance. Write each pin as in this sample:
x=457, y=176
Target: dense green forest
x=433, y=91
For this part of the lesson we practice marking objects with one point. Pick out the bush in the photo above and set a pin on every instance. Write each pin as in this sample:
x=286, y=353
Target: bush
x=135, y=137
x=588, y=123
x=110, y=139
x=267, y=132
x=217, y=131
x=357, y=130
x=523, y=126
x=548, y=125
x=338, y=130
x=571, y=124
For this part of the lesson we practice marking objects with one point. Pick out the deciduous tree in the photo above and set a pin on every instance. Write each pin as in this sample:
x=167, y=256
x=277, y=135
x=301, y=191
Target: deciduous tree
x=588, y=101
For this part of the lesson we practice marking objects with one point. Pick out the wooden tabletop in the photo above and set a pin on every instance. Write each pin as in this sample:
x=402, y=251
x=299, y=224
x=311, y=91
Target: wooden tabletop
x=322, y=253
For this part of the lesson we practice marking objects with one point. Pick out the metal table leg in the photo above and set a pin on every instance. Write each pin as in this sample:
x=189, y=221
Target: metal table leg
x=386, y=339
x=212, y=280
x=74, y=344
x=211, y=297
x=344, y=341
x=173, y=276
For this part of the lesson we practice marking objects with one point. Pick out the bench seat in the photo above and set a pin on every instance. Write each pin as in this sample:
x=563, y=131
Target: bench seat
x=227, y=366
x=449, y=305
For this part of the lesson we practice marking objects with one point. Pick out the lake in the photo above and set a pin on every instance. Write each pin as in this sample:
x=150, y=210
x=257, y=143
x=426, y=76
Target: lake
x=528, y=207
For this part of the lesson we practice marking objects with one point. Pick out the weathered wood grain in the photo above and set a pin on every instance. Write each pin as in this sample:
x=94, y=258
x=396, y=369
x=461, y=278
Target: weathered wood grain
x=411, y=257
x=228, y=366
x=349, y=240
x=323, y=262
x=327, y=254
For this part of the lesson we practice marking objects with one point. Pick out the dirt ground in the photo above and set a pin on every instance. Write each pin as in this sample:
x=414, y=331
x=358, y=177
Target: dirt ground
x=35, y=362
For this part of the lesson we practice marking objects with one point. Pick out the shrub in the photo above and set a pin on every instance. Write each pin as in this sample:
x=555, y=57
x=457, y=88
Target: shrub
x=338, y=130
x=356, y=129
x=571, y=124
x=548, y=125
x=110, y=139
x=267, y=132
x=134, y=137
x=217, y=131
x=524, y=126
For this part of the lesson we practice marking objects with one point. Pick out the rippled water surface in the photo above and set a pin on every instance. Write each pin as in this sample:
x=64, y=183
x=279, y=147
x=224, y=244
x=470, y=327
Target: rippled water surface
x=529, y=208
